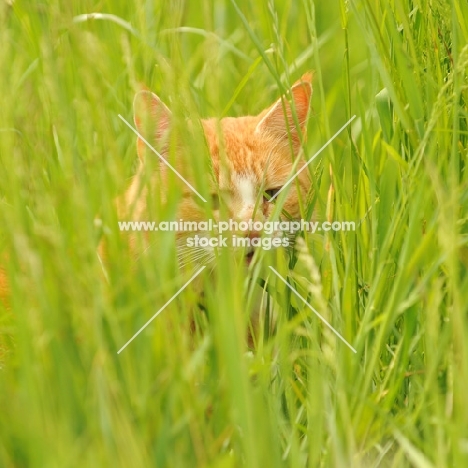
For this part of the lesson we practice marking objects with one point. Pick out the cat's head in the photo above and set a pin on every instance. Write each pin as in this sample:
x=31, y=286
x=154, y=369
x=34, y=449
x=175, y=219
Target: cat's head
x=252, y=157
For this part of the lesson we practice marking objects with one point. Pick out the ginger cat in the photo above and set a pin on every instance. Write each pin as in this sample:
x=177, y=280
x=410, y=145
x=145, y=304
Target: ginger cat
x=3, y=287
x=251, y=157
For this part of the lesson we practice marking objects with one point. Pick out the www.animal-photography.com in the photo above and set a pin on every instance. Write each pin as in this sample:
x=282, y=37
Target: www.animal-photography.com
x=233, y=234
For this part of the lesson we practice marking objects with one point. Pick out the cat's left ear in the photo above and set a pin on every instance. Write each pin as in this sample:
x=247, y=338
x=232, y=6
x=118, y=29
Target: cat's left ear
x=152, y=119
x=279, y=121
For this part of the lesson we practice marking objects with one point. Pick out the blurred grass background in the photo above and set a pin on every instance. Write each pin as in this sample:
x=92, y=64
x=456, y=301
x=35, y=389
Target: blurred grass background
x=397, y=288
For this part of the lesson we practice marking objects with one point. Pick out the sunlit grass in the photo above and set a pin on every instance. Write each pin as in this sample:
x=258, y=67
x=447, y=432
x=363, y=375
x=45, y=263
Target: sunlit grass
x=188, y=391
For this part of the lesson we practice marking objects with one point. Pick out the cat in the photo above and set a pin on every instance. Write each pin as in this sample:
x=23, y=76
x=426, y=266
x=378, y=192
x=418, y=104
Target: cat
x=259, y=155
x=3, y=288
x=252, y=157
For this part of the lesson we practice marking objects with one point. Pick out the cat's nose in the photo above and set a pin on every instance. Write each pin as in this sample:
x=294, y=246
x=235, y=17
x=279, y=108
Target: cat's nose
x=249, y=213
x=254, y=234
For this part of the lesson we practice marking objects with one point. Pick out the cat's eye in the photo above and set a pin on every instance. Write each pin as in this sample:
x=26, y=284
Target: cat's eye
x=215, y=201
x=270, y=193
x=219, y=199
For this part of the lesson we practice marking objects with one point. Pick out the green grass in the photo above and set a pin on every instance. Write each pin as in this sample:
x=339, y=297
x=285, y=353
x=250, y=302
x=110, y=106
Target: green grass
x=397, y=288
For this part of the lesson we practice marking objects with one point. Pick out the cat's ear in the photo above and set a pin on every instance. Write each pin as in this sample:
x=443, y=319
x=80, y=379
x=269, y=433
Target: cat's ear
x=279, y=121
x=152, y=119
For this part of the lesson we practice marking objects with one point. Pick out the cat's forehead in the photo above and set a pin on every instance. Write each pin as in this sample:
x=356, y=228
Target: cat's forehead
x=235, y=141
x=236, y=136
x=243, y=158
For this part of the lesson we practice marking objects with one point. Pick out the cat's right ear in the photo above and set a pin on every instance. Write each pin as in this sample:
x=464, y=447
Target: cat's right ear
x=279, y=119
x=152, y=119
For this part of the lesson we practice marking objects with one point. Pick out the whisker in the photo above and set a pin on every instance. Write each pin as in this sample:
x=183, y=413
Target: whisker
x=192, y=259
